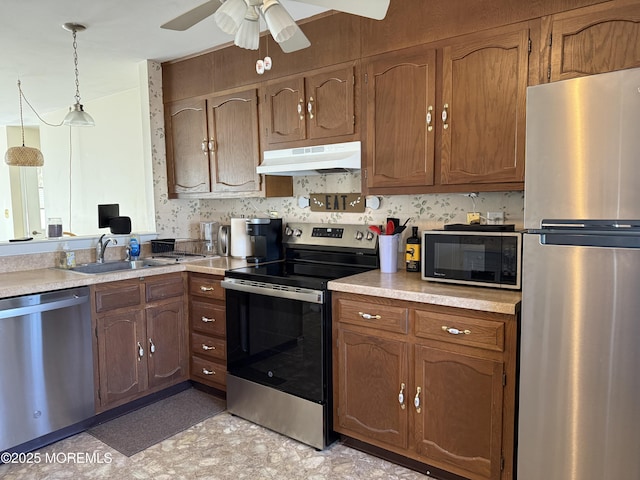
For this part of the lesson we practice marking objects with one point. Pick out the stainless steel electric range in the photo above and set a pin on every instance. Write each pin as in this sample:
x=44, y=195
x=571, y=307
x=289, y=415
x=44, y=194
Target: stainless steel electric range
x=279, y=329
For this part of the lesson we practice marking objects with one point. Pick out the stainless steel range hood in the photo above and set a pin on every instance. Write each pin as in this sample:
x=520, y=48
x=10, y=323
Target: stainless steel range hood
x=335, y=158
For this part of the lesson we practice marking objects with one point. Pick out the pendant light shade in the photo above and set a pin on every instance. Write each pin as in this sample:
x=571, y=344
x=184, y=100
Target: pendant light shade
x=77, y=117
x=23, y=156
x=280, y=23
x=230, y=15
x=248, y=35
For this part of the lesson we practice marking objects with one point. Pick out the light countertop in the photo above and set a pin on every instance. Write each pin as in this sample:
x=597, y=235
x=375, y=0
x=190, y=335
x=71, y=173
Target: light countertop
x=409, y=286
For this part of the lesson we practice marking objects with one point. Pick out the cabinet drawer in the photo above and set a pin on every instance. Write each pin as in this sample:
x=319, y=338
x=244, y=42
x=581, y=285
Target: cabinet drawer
x=372, y=315
x=206, y=286
x=110, y=297
x=485, y=334
x=214, y=348
x=166, y=287
x=209, y=318
x=208, y=371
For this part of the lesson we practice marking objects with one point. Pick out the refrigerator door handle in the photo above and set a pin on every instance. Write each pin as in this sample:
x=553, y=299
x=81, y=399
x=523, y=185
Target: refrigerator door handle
x=589, y=238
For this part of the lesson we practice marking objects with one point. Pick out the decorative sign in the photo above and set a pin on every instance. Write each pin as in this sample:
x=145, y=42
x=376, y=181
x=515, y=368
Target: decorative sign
x=336, y=202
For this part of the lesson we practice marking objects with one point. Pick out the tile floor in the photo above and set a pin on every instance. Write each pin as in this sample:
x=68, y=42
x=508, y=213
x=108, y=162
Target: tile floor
x=220, y=448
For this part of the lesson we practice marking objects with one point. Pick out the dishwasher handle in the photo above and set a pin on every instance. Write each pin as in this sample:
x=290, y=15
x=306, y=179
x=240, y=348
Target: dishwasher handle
x=42, y=303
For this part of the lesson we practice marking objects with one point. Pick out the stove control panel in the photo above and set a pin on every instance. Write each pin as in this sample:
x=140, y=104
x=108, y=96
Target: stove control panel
x=334, y=235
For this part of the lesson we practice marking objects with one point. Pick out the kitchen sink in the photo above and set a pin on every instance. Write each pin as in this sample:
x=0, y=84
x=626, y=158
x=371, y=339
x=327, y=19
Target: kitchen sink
x=106, y=267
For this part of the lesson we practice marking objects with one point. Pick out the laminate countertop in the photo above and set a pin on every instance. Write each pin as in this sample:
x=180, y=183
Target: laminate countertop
x=46, y=279
x=409, y=286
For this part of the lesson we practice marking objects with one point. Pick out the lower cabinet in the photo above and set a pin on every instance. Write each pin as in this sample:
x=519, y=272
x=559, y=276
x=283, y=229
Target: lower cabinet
x=208, y=330
x=434, y=384
x=140, y=337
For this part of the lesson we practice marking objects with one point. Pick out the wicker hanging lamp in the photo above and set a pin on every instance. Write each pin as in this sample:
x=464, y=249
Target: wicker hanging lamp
x=23, y=156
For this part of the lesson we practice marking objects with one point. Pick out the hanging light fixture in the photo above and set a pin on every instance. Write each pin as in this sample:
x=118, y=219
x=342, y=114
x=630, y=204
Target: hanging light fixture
x=248, y=35
x=279, y=22
x=77, y=117
x=23, y=156
x=229, y=16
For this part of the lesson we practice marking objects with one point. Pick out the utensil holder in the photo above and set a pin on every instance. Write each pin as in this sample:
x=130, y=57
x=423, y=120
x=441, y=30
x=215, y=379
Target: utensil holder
x=388, y=249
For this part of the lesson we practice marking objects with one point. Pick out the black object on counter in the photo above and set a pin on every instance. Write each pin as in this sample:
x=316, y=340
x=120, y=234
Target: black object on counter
x=120, y=225
x=23, y=239
x=480, y=228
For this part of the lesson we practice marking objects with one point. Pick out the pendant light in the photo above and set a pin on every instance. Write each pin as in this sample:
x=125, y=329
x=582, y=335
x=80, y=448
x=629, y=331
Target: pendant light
x=77, y=117
x=23, y=156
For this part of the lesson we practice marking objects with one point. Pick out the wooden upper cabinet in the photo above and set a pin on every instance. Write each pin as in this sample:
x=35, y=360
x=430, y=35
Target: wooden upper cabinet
x=186, y=137
x=483, y=109
x=460, y=419
x=399, y=112
x=317, y=106
x=595, y=40
x=234, y=141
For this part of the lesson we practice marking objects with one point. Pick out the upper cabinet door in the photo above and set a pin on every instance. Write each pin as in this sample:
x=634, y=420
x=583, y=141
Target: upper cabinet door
x=330, y=103
x=187, y=150
x=595, y=40
x=399, y=110
x=285, y=110
x=484, y=84
x=234, y=142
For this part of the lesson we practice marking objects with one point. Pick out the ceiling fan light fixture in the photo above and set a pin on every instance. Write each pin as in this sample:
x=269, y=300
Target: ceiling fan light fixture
x=279, y=22
x=230, y=15
x=248, y=35
x=76, y=117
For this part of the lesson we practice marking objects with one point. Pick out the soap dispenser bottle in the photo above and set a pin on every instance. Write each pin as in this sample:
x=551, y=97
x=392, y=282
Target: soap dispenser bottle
x=134, y=246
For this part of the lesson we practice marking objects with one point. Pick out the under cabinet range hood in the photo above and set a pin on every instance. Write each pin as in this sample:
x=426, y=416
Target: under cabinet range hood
x=335, y=158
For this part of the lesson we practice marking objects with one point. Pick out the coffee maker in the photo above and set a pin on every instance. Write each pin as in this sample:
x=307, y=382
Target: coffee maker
x=266, y=236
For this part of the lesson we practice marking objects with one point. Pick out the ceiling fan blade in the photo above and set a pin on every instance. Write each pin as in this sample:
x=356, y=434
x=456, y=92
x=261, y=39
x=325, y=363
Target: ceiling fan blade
x=297, y=42
x=376, y=9
x=193, y=16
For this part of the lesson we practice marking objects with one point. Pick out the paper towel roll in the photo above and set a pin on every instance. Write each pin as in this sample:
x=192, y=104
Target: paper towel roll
x=240, y=241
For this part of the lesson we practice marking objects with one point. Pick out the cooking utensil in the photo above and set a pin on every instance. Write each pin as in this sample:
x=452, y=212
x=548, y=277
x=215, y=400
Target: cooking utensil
x=375, y=229
x=391, y=226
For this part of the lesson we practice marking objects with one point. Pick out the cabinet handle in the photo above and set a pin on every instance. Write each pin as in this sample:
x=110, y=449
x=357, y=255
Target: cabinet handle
x=455, y=331
x=445, y=116
x=207, y=319
x=206, y=347
x=140, y=352
x=368, y=316
x=208, y=372
x=204, y=147
x=401, y=397
x=310, y=107
x=416, y=400
x=430, y=118
x=152, y=347
x=212, y=145
x=206, y=289
x=300, y=108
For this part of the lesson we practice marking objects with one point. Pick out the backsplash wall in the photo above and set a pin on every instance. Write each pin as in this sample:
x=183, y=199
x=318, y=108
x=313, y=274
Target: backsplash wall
x=181, y=218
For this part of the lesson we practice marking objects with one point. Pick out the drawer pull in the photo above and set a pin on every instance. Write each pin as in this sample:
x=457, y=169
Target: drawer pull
x=206, y=289
x=207, y=319
x=208, y=372
x=152, y=347
x=455, y=331
x=416, y=400
x=140, y=351
x=368, y=316
x=206, y=347
x=401, y=397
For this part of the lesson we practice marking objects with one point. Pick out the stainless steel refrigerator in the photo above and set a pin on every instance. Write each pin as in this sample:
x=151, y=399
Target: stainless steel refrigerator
x=579, y=392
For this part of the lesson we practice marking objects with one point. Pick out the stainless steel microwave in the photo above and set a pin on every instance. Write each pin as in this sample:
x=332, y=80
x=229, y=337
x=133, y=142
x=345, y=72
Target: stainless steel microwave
x=483, y=258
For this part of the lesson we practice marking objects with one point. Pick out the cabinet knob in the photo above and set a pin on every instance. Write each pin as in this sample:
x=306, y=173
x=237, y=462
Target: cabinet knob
x=310, y=107
x=204, y=147
x=206, y=347
x=208, y=372
x=152, y=347
x=140, y=352
x=300, y=109
x=416, y=400
x=212, y=145
x=430, y=118
x=207, y=319
x=445, y=116
x=368, y=316
x=401, y=397
x=455, y=331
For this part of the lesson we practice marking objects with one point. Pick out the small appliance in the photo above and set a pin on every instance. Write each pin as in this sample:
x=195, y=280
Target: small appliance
x=473, y=257
x=266, y=237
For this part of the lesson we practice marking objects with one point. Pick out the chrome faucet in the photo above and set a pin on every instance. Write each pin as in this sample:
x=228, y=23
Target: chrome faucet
x=101, y=246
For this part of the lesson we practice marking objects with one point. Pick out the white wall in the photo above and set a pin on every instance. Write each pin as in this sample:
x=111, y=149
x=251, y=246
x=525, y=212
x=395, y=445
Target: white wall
x=6, y=217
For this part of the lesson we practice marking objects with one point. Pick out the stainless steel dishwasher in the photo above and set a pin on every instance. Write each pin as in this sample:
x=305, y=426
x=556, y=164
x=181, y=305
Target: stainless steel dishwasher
x=46, y=364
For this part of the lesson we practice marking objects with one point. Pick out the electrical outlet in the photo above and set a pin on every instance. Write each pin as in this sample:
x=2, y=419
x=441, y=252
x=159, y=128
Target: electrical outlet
x=473, y=217
x=495, y=218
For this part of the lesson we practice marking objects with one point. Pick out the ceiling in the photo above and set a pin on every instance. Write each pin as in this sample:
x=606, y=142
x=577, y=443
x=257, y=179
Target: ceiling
x=119, y=35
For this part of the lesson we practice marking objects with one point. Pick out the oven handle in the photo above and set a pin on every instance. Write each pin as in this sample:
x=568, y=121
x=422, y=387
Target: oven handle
x=273, y=290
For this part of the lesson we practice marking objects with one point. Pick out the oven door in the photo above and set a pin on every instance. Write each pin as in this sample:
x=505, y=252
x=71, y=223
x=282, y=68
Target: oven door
x=278, y=336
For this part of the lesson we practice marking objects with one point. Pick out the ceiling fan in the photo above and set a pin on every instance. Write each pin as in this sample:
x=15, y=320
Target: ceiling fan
x=242, y=19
